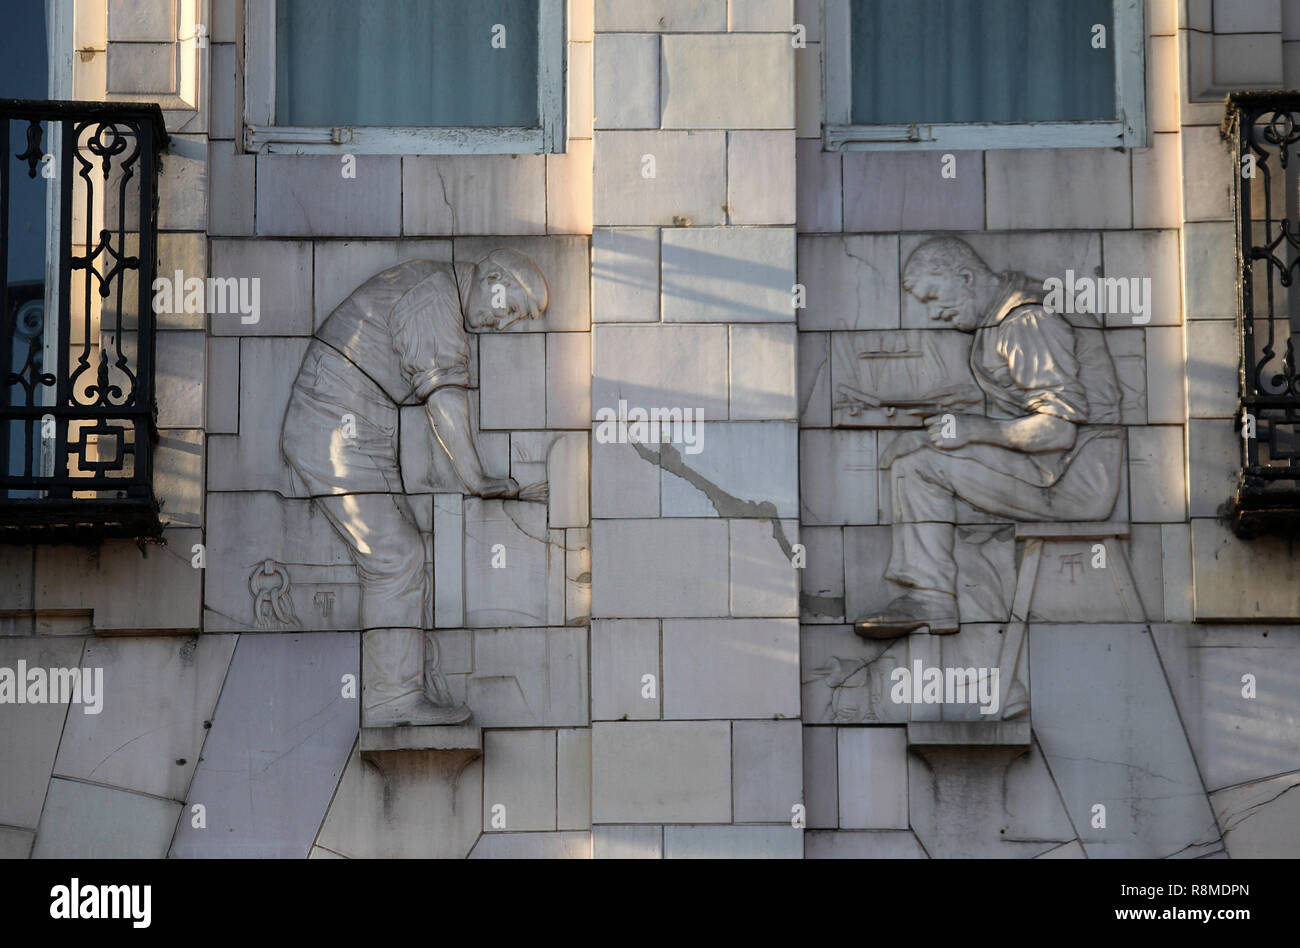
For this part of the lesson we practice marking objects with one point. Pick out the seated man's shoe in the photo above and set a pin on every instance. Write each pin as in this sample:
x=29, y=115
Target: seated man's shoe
x=907, y=613
x=414, y=710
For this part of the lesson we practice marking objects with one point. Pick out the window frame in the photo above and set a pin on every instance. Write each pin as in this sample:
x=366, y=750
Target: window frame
x=1128, y=131
x=262, y=135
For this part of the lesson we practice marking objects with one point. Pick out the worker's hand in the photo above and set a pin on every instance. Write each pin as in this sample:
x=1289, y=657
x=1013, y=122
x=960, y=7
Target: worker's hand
x=504, y=487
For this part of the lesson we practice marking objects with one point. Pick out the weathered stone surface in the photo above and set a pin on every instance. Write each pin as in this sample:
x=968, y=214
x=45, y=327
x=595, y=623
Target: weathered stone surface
x=725, y=274
x=1235, y=738
x=159, y=692
x=145, y=21
x=573, y=779
x=731, y=668
x=308, y=195
x=894, y=191
x=762, y=373
x=280, y=738
x=623, y=484
x=223, y=386
x=759, y=15
x=179, y=375
x=676, y=16
x=1209, y=259
x=688, y=184
x=1157, y=183
x=1260, y=820
x=29, y=733
x=733, y=842
x=580, y=92
x=837, y=476
x=234, y=177
x=178, y=477
x=627, y=842
x=863, y=844
x=625, y=274
x=126, y=588
x=1026, y=188
x=661, y=771
x=985, y=802
x=873, y=778
x=808, y=91
x=1212, y=368
x=821, y=777
x=568, y=379
x=444, y=195
x=1236, y=579
x=1156, y=474
x=814, y=380
x=768, y=779
x=248, y=529
x=764, y=578
x=821, y=594
x=760, y=177
x=1146, y=254
x=519, y=780
x=623, y=652
x=627, y=80
x=851, y=281
x=568, y=188
x=1070, y=850
x=532, y=846
x=88, y=821
x=727, y=81
x=282, y=269
x=819, y=189
x=745, y=469
x=16, y=843
x=1111, y=735
x=405, y=806
x=529, y=677
x=660, y=367
x=643, y=563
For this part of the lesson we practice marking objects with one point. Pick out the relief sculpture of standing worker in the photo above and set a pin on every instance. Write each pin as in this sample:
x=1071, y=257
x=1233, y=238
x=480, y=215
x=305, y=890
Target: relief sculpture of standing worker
x=1047, y=447
x=399, y=339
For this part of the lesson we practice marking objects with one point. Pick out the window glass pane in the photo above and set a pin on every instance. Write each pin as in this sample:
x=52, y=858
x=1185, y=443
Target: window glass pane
x=406, y=63
x=931, y=61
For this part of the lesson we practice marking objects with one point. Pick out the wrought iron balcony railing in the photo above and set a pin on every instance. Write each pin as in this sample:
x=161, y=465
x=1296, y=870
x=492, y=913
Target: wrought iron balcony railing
x=1265, y=129
x=78, y=234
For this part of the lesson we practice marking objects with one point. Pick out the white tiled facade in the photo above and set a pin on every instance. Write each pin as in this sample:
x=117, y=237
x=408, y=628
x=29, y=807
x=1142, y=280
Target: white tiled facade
x=665, y=666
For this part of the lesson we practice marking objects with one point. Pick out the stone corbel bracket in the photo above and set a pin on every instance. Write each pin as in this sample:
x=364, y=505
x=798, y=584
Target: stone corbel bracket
x=462, y=740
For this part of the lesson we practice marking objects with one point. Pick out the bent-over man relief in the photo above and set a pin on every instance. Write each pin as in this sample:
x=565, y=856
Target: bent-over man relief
x=400, y=339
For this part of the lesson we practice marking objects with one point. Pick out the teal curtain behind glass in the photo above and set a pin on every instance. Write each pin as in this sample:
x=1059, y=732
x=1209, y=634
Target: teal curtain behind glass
x=931, y=61
x=406, y=63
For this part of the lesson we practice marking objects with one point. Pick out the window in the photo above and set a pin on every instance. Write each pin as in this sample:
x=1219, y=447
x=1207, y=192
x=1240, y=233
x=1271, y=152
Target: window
x=404, y=76
x=984, y=73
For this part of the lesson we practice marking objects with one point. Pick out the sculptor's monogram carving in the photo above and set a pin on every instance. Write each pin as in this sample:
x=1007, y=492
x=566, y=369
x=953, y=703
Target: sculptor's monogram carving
x=1045, y=445
x=400, y=339
x=268, y=584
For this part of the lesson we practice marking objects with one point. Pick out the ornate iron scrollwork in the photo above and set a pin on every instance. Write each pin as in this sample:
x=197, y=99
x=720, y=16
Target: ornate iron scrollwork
x=1266, y=135
x=77, y=407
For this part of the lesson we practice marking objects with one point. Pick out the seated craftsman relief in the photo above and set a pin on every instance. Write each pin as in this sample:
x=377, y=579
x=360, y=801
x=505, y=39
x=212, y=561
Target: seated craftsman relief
x=1028, y=429
x=400, y=340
